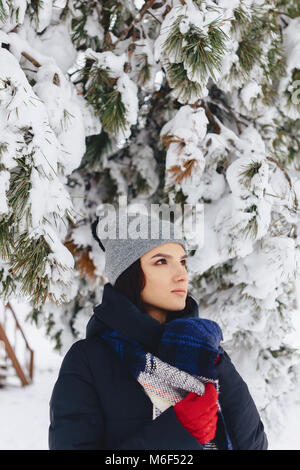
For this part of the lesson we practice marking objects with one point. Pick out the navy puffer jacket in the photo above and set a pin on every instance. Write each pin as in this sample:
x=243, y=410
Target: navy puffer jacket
x=97, y=404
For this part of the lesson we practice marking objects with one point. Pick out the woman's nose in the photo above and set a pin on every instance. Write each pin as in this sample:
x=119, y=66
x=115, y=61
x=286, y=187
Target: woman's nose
x=181, y=272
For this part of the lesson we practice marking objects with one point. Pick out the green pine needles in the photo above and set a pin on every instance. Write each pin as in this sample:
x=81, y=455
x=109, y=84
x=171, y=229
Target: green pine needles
x=247, y=175
x=144, y=73
x=96, y=146
x=241, y=18
x=29, y=263
x=18, y=193
x=255, y=26
x=290, y=7
x=292, y=92
x=179, y=81
x=3, y=13
x=106, y=100
x=248, y=52
x=6, y=240
x=17, y=197
x=245, y=178
x=112, y=112
x=251, y=228
x=80, y=37
x=196, y=56
x=11, y=11
x=26, y=256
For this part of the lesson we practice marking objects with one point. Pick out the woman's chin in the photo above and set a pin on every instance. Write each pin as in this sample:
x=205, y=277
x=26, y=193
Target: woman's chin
x=178, y=304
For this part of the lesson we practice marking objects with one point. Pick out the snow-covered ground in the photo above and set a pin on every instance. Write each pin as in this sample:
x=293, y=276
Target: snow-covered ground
x=24, y=411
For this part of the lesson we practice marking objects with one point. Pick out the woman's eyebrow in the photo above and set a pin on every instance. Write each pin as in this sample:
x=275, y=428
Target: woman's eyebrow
x=166, y=256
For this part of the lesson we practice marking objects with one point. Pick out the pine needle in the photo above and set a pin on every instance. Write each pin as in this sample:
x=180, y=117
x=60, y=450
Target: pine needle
x=179, y=175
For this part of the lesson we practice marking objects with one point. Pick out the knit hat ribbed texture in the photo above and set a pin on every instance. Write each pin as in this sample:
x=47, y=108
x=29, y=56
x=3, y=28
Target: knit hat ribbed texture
x=120, y=252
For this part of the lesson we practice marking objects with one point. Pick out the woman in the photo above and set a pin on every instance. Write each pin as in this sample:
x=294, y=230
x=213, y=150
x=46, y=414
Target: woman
x=150, y=373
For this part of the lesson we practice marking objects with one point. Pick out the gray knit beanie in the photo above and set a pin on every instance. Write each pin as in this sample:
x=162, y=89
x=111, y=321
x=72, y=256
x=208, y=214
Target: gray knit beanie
x=131, y=239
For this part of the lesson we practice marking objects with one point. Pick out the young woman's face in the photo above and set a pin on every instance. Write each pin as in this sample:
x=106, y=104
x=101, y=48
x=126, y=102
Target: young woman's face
x=165, y=270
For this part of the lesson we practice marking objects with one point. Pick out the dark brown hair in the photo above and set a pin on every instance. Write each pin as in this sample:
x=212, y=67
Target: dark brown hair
x=132, y=281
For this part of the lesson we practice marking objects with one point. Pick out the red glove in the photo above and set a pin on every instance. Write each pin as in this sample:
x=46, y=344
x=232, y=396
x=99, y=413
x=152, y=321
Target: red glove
x=198, y=414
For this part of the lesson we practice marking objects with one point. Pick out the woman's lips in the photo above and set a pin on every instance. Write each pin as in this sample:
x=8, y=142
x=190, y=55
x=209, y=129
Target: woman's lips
x=178, y=292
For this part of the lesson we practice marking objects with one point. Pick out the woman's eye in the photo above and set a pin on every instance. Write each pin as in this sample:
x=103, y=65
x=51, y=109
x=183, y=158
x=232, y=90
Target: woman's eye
x=163, y=259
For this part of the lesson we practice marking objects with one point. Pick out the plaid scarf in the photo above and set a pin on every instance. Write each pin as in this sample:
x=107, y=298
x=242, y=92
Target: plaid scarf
x=183, y=362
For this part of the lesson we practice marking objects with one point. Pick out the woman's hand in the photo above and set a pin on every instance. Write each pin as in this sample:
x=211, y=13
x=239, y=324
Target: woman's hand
x=198, y=414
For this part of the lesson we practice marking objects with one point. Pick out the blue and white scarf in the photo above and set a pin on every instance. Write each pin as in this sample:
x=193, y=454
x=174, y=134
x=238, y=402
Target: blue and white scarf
x=183, y=362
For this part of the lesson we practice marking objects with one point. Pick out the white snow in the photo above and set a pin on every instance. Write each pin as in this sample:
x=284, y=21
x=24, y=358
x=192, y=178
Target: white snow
x=126, y=87
x=24, y=411
x=4, y=185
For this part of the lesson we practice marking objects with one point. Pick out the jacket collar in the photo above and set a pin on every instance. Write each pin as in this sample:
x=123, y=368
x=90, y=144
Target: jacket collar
x=116, y=311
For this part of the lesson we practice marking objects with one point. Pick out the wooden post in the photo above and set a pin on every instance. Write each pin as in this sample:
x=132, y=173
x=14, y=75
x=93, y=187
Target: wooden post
x=31, y=364
x=13, y=357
